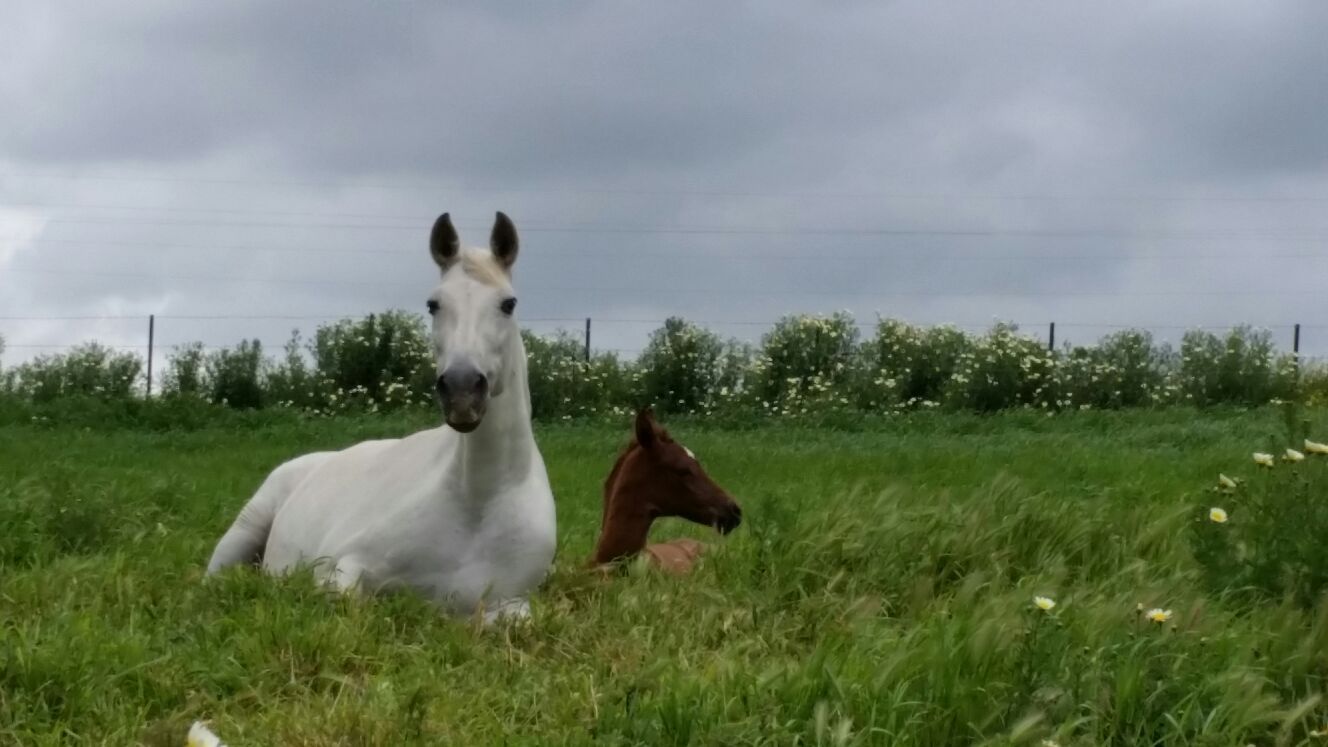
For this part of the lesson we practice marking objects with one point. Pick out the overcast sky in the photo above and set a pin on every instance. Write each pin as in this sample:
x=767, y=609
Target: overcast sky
x=1160, y=164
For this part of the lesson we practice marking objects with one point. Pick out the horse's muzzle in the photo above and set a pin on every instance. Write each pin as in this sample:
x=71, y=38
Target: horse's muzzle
x=463, y=393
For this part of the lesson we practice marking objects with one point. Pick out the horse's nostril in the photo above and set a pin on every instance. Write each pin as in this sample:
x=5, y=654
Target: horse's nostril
x=463, y=381
x=729, y=519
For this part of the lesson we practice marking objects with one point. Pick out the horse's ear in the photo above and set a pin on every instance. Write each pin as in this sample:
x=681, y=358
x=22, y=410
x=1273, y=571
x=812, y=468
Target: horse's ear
x=645, y=427
x=503, y=241
x=443, y=242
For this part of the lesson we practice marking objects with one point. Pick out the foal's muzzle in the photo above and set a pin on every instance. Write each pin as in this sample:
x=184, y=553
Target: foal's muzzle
x=728, y=518
x=463, y=392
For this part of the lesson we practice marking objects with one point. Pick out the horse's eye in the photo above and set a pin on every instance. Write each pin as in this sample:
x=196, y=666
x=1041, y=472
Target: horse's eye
x=433, y=306
x=508, y=306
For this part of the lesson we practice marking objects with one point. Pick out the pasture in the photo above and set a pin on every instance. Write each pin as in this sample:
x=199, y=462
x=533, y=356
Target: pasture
x=879, y=591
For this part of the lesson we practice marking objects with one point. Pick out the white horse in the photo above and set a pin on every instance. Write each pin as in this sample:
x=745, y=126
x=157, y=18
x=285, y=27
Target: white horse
x=462, y=513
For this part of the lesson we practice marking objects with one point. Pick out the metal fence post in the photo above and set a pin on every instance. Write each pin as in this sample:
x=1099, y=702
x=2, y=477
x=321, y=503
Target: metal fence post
x=152, y=325
x=587, y=338
x=1051, y=338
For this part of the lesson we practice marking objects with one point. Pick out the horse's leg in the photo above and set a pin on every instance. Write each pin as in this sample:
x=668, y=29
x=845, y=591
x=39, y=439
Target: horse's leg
x=516, y=609
x=347, y=575
x=246, y=539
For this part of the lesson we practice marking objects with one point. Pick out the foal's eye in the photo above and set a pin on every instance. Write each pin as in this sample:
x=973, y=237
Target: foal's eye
x=433, y=307
x=508, y=306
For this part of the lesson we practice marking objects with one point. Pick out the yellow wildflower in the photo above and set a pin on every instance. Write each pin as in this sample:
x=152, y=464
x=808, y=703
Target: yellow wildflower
x=1292, y=455
x=1262, y=459
x=1314, y=447
x=1159, y=615
x=1217, y=515
x=1044, y=603
x=1226, y=482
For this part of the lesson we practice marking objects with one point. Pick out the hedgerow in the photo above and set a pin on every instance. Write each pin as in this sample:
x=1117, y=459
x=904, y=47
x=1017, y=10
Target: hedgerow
x=806, y=366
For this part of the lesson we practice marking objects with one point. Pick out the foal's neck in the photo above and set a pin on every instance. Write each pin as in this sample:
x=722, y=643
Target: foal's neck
x=623, y=535
x=624, y=527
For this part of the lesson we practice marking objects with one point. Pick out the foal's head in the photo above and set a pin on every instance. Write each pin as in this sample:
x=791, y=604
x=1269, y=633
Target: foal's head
x=661, y=477
x=475, y=336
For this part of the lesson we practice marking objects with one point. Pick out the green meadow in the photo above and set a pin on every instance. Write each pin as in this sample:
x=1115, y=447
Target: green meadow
x=880, y=591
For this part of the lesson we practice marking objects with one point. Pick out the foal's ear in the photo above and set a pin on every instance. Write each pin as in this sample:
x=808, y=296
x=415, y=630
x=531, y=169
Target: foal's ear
x=443, y=242
x=645, y=427
x=503, y=241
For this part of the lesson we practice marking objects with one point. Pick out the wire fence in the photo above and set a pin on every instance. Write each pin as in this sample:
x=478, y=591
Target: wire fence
x=153, y=324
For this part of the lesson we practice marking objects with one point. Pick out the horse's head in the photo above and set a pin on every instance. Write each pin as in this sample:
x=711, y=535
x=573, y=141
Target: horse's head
x=473, y=325
x=665, y=478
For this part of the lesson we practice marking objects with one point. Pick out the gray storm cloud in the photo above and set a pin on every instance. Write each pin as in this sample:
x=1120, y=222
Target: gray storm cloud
x=1153, y=164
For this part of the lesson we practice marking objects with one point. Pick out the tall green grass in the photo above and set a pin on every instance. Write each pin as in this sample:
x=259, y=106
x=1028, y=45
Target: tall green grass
x=880, y=591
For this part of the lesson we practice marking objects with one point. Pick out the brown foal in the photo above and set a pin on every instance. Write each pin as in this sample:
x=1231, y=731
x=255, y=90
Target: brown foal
x=656, y=477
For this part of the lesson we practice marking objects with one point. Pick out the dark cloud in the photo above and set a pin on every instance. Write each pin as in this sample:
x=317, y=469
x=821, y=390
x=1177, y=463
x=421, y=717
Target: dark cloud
x=1076, y=162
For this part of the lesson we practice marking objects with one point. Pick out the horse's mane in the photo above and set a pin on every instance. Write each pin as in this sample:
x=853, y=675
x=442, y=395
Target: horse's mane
x=482, y=266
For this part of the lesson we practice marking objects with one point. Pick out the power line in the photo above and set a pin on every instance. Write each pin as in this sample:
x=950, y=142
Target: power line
x=72, y=345
x=716, y=291
x=681, y=253
x=1092, y=233
x=424, y=218
x=658, y=192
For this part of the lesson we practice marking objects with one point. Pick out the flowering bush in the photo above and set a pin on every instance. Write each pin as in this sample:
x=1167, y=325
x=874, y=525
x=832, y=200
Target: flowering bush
x=907, y=365
x=684, y=368
x=381, y=361
x=235, y=375
x=804, y=356
x=1124, y=370
x=185, y=372
x=563, y=384
x=291, y=380
x=1003, y=369
x=806, y=367
x=90, y=369
x=1243, y=368
x=1314, y=384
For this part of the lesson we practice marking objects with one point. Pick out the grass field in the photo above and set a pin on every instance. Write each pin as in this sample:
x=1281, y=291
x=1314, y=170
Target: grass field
x=880, y=591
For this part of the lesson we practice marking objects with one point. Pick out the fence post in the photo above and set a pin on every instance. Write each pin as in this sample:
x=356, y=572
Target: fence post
x=1051, y=338
x=1295, y=341
x=587, y=338
x=152, y=324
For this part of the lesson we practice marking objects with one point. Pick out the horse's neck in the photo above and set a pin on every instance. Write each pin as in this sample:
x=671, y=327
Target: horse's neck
x=624, y=529
x=500, y=450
